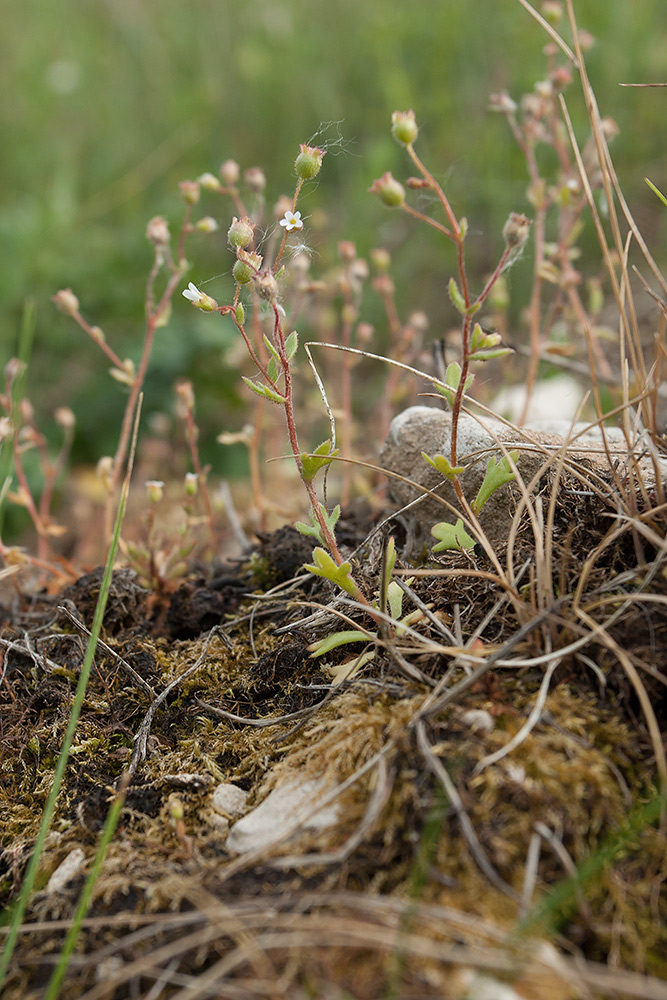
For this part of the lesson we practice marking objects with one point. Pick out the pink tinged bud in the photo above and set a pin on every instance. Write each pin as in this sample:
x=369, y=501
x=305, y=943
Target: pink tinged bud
x=230, y=172
x=502, y=102
x=157, y=231
x=207, y=225
x=347, y=251
x=190, y=192
x=255, y=179
x=186, y=394
x=365, y=333
x=609, y=128
x=241, y=232
x=210, y=182
x=66, y=302
x=561, y=77
x=199, y=299
x=284, y=204
x=516, y=230
x=155, y=490
x=404, y=127
x=586, y=40
x=308, y=162
x=552, y=11
x=266, y=286
x=389, y=190
x=13, y=369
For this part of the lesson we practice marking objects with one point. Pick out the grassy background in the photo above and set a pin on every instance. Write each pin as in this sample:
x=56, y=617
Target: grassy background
x=109, y=103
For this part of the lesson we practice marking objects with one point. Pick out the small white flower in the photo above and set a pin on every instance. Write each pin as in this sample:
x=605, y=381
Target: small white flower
x=291, y=220
x=199, y=299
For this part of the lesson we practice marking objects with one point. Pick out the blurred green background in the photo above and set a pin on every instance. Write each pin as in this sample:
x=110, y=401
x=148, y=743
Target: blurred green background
x=107, y=104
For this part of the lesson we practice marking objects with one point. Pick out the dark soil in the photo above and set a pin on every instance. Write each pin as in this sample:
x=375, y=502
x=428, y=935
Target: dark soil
x=423, y=879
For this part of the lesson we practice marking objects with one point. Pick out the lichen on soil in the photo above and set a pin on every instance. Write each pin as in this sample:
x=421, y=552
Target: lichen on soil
x=507, y=832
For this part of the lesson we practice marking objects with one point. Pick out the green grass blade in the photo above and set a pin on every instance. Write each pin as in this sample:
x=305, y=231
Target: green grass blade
x=655, y=190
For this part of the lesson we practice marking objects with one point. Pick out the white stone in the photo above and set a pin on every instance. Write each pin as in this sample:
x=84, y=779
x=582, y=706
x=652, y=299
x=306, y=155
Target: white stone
x=291, y=808
x=66, y=871
x=229, y=800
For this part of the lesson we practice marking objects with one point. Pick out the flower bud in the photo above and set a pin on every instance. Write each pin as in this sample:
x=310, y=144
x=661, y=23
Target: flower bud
x=186, y=394
x=6, y=429
x=191, y=484
x=347, y=251
x=381, y=259
x=404, y=127
x=389, y=190
x=308, y=162
x=241, y=232
x=502, y=102
x=155, y=490
x=365, y=333
x=552, y=11
x=199, y=299
x=283, y=204
x=210, y=182
x=246, y=266
x=190, y=192
x=266, y=286
x=230, y=172
x=516, y=230
x=157, y=231
x=206, y=225
x=104, y=471
x=13, y=369
x=66, y=302
x=255, y=179
x=64, y=417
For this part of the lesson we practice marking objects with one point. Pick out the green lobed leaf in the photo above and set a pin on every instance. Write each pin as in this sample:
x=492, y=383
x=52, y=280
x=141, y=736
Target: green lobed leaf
x=452, y=536
x=497, y=474
x=443, y=465
x=312, y=462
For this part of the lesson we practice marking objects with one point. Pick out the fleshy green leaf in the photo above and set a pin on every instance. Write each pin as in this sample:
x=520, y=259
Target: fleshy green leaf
x=272, y=369
x=443, y=465
x=497, y=474
x=452, y=536
x=395, y=600
x=271, y=348
x=455, y=295
x=291, y=345
x=322, y=646
x=264, y=390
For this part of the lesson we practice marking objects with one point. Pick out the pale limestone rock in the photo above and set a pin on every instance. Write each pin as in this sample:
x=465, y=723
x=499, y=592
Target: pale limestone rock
x=428, y=429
